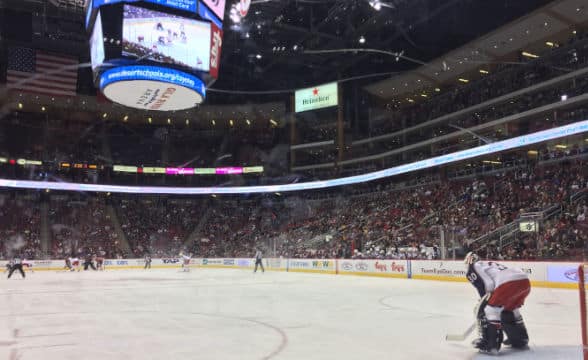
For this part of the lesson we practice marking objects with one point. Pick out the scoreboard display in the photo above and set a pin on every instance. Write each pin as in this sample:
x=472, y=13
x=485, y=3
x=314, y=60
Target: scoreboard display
x=166, y=38
x=155, y=54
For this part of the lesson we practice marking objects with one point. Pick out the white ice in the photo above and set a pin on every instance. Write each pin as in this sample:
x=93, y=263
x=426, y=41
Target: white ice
x=234, y=314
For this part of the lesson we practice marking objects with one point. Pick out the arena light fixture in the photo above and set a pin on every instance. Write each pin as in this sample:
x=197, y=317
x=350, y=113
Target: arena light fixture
x=465, y=81
x=483, y=71
x=529, y=55
x=20, y=106
x=376, y=4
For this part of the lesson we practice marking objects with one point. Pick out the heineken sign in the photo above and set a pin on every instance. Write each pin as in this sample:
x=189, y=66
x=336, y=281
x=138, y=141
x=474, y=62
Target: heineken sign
x=317, y=97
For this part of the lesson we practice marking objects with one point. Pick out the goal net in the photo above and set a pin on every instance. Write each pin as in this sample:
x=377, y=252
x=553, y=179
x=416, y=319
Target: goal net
x=583, y=315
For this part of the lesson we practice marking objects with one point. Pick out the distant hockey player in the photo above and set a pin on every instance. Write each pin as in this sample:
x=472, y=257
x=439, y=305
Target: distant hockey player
x=75, y=263
x=147, y=261
x=502, y=291
x=100, y=262
x=16, y=265
x=186, y=262
x=8, y=266
x=28, y=264
x=258, y=261
x=89, y=262
x=68, y=265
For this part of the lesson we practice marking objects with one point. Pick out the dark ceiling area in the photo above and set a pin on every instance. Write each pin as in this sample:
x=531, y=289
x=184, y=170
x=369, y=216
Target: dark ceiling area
x=281, y=32
x=268, y=49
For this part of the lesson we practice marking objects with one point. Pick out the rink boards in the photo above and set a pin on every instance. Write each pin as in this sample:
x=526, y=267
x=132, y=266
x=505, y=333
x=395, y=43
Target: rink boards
x=543, y=274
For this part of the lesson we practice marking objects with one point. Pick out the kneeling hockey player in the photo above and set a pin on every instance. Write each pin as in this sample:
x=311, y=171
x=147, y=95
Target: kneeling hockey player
x=503, y=291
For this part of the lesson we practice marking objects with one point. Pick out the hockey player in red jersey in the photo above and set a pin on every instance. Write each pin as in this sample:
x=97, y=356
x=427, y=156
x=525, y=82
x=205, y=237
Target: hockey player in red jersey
x=502, y=292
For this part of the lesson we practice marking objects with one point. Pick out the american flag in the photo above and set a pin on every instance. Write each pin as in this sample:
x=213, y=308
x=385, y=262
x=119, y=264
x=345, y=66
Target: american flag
x=40, y=71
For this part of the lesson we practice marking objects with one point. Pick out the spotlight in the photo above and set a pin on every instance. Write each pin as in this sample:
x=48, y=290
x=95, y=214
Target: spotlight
x=376, y=4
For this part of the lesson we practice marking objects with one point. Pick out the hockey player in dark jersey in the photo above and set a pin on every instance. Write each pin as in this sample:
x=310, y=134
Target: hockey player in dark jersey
x=502, y=292
x=16, y=265
x=147, y=261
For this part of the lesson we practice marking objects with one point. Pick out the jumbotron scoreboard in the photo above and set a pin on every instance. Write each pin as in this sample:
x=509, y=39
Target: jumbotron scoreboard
x=155, y=54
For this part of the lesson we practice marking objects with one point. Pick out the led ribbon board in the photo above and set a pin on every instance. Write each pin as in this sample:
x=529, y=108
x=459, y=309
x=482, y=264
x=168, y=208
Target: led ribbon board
x=152, y=88
x=514, y=143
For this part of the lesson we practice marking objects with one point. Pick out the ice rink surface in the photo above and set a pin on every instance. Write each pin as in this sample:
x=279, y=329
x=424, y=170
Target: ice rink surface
x=234, y=314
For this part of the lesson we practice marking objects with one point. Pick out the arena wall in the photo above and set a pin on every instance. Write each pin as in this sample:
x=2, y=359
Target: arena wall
x=542, y=274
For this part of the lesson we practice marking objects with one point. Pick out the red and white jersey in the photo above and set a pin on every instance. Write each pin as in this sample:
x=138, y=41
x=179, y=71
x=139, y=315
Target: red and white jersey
x=186, y=259
x=27, y=263
x=487, y=276
x=74, y=261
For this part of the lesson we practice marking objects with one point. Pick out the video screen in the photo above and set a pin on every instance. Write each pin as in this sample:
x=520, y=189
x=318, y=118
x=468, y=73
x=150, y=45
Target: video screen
x=166, y=38
x=97, y=44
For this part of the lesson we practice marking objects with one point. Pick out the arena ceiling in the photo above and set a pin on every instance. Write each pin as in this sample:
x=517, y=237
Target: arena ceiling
x=275, y=46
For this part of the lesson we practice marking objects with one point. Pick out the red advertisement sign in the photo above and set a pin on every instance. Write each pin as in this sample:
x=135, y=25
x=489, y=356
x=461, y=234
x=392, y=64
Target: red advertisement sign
x=216, y=43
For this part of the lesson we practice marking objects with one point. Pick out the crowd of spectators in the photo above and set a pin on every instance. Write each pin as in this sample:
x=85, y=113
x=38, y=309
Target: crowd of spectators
x=19, y=226
x=81, y=227
x=401, y=222
x=159, y=226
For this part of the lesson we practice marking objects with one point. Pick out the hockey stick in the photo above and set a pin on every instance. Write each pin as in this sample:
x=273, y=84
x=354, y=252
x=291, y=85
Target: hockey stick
x=461, y=337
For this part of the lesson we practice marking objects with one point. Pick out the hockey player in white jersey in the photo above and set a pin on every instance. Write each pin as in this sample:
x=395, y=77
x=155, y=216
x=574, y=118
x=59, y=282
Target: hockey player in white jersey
x=186, y=262
x=502, y=291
